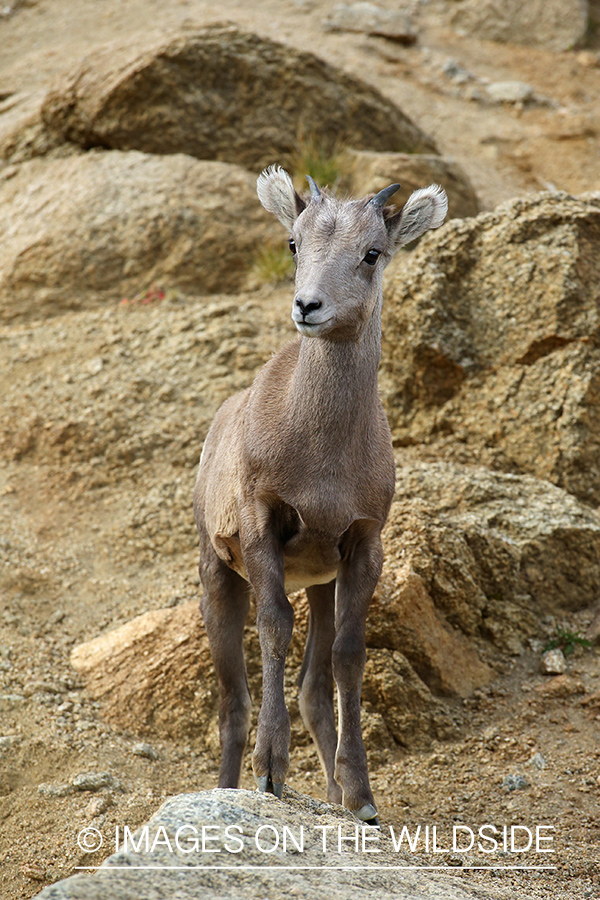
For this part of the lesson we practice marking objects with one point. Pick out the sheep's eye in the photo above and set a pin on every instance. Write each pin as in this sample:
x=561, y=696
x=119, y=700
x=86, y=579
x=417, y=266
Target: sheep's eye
x=372, y=257
x=292, y=245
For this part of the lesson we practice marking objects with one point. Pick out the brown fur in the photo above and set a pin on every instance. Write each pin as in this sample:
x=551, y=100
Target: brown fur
x=295, y=484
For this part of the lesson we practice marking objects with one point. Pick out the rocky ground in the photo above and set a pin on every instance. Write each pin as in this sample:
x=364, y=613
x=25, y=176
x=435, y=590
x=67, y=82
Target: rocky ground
x=104, y=407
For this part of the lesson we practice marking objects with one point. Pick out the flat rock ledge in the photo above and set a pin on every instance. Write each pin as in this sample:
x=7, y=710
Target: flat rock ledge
x=255, y=840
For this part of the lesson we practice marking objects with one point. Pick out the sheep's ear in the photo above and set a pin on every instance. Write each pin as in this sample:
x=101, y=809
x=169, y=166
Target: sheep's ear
x=425, y=209
x=276, y=193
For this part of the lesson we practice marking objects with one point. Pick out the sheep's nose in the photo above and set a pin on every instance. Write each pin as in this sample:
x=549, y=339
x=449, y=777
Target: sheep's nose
x=307, y=308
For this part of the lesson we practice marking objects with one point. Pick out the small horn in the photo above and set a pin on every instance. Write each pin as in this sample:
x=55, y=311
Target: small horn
x=315, y=193
x=380, y=199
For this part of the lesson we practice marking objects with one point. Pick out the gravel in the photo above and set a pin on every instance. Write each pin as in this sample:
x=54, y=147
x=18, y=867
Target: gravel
x=553, y=662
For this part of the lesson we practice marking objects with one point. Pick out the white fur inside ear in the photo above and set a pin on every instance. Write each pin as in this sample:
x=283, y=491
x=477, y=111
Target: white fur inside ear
x=425, y=209
x=276, y=193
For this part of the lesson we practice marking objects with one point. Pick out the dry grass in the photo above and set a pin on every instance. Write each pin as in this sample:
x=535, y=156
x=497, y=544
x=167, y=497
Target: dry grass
x=323, y=164
x=273, y=264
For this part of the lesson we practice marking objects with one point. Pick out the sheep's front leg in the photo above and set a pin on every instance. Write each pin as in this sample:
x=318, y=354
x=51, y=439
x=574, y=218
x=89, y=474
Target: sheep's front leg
x=263, y=558
x=224, y=604
x=356, y=581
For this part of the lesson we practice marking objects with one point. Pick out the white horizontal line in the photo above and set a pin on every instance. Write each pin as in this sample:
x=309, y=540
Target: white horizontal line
x=324, y=868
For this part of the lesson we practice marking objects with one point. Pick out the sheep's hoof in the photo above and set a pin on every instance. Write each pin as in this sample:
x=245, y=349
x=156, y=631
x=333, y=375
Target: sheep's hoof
x=368, y=815
x=266, y=786
x=262, y=784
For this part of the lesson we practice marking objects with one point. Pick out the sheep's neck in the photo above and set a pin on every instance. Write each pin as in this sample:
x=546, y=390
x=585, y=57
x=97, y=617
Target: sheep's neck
x=335, y=383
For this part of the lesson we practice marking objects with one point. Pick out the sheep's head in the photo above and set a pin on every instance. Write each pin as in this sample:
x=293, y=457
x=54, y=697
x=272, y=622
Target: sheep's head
x=341, y=248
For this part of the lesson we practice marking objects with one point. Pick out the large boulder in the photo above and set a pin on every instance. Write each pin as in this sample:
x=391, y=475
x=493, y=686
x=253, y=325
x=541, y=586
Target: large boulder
x=248, y=846
x=366, y=18
x=84, y=228
x=530, y=541
x=151, y=673
x=222, y=93
x=369, y=172
x=22, y=132
x=154, y=675
x=473, y=561
x=491, y=341
x=553, y=24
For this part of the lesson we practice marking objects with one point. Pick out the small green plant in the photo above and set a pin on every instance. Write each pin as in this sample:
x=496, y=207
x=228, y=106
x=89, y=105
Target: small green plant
x=317, y=160
x=272, y=265
x=566, y=641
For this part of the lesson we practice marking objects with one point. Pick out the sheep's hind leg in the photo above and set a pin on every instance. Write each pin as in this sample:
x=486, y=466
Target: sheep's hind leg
x=315, y=682
x=356, y=581
x=224, y=607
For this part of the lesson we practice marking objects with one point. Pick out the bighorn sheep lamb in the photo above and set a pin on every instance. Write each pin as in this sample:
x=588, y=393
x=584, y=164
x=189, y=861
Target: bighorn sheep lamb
x=295, y=484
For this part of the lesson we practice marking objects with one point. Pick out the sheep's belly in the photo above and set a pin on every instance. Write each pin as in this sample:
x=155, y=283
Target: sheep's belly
x=308, y=559
x=297, y=580
x=296, y=576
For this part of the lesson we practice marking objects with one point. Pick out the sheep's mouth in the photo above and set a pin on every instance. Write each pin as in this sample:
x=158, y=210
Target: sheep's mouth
x=311, y=328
